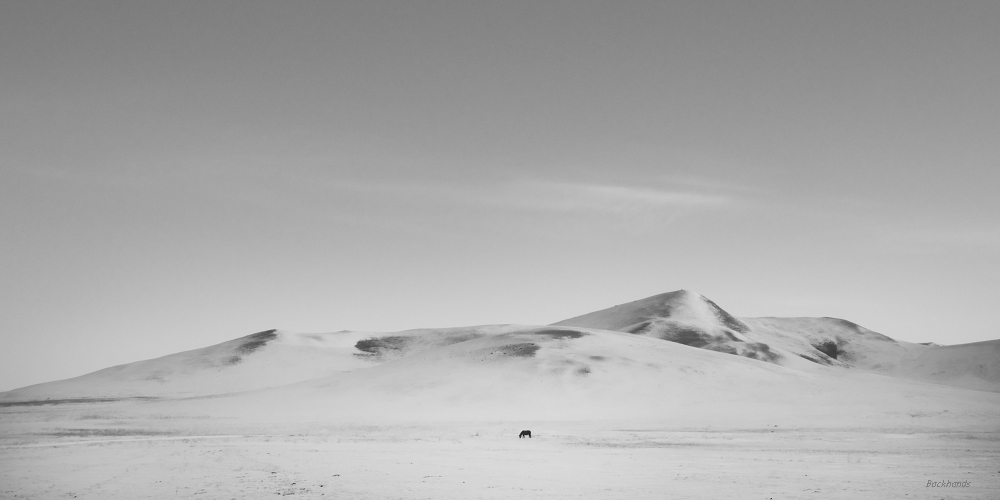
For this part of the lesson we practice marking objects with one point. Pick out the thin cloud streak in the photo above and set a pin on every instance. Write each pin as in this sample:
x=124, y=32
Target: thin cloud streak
x=548, y=196
x=615, y=198
x=255, y=183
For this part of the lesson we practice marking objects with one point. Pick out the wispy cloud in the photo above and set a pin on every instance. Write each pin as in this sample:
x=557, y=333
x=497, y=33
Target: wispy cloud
x=251, y=181
x=544, y=196
x=608, y=198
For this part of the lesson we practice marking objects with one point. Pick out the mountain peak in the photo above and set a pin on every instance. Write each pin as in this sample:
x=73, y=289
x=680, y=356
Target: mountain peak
x=681, y=316
x=679, y=305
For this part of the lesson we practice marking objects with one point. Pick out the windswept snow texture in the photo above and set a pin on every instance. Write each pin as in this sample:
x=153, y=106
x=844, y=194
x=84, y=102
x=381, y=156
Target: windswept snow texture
x=691, y=319
x=382, y=347
x=252, y=343
x=837, y=411
x=537, y=373
x=839, y=343
x=266, y=359
x=593, y=356
x=683, y=317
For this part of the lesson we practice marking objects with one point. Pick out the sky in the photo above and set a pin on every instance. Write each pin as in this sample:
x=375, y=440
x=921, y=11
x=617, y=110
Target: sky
x=178, y=174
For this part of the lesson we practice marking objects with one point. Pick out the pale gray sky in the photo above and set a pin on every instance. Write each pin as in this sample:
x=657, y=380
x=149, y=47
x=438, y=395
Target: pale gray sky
x=176, y=174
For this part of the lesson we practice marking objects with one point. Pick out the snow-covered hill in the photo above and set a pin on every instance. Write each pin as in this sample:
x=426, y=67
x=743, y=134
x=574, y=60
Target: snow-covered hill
x=689, y=318
x=266, y=359
x=564, y=373
x=973, y=366
x=644, y=350
x=683, y=317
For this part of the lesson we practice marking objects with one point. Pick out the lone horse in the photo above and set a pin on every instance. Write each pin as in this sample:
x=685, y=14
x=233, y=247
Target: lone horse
x=524, y=433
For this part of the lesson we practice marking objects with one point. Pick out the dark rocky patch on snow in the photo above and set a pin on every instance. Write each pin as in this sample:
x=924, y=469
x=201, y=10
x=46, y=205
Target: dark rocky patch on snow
x=521, y=350
x=250, y=344
x=830, y=348
x=560, y=334
x=379, y=346
x=256, y=341
x=760, y=351
x=693, y=337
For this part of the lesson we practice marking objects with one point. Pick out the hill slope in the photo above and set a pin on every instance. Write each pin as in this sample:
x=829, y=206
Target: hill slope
x=691, y=319
x=564, y=373
x=266, y=359
x=693, y=325
x=973, y=366
x=683, y=317
x=834, y=342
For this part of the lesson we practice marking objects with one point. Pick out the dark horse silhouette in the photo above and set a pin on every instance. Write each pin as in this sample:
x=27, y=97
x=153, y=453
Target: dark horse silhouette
x=524, y=433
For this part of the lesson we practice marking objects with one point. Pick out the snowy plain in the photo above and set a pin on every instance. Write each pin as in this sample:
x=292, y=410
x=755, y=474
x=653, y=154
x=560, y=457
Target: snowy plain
x=667, y=397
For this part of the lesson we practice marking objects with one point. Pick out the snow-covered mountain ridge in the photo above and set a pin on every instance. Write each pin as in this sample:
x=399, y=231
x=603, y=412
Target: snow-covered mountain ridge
x=687, y=325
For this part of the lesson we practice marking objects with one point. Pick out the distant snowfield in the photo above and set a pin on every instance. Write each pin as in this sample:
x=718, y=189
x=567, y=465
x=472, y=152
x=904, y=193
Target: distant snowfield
x=666, y=396
x=110, y=450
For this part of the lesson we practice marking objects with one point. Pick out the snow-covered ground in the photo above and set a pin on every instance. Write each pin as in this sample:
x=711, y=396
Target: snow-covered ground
x=102, y=451
x=669, y=396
